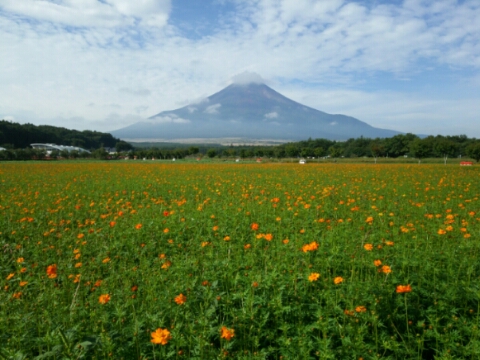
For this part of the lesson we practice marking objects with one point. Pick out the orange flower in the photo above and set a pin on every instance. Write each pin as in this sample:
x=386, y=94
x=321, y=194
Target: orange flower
x=310, y=247
x=254, y=226
x=247, y=246
x=361, y=309
x=106, y=260
x=369, y=220
x=389, y=243
x=160, y=336
x=23, y=283
x=17, y=295
x=313, y=276
x=268, y=237
x=226, y=238
x=166, y=213
x=138, y=226
x=205, y=283
x=205, y=243
x=24, y=269
x=215, y=228
x=227, y=333
x=166, y=230
x=104, y=298
x=80, y=236
x=386, y=269
x=441, y=232
x=255, y=284
x=134, y=288
x=167, y=264
x=180, y=299
x=112, y=223
x=338, y=280
x=403, y=289
x=20, y=260
x=77, y=265
x=368, y=247
x=285, y=241
x=10, y=276
x=52, y=271
x=377, y=262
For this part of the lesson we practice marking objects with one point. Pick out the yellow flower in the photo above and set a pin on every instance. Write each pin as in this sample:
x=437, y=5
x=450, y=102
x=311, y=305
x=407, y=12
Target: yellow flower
x=338, y=280
x=160, y=336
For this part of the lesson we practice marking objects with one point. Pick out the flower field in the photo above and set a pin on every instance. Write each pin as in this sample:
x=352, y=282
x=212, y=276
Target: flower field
x=244, y=261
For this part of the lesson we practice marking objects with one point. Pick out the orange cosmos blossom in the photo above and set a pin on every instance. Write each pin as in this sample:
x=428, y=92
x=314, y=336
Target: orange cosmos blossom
x=52, y=271
x=138, y=226
x=20, y=260
x=112, y=223
x=226, y=333
x=441, y=232
x=181, y=299
x=360, y=309
x=310, y=247
x=338, y=280
x=369, y=220
x=377, y=262
x=403, y=289
x=254, y=226
x=160, y=336
x=385, y=269
x=104, y=298
x=268, y=237
x=23, y=283
x=313, y=276
x=368, y=247
x=10, y=276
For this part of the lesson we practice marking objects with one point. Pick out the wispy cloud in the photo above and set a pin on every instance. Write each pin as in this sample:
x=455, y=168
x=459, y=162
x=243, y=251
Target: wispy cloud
x=212, y=109
x=66, y=54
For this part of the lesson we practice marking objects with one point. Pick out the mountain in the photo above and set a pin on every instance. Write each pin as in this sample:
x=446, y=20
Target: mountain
x=251, y=111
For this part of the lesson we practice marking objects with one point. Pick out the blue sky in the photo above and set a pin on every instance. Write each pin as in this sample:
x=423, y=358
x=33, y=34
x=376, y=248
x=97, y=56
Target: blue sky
x=411, y=66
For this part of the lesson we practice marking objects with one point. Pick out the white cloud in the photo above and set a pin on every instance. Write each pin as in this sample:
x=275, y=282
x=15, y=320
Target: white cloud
x=173, y=119
x=272, y=115
x=54, y=71
x=247, y=77
x=92, y=12
x=212, y=109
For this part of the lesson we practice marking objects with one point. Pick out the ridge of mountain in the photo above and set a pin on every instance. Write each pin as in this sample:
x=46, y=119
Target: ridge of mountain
x=252, y=111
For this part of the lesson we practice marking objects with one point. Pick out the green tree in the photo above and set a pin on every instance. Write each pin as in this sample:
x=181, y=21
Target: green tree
x=420, y=149
x=123, y=146
x=473, y=151
x=211, y=153
x=335, y=151
x=445, y=148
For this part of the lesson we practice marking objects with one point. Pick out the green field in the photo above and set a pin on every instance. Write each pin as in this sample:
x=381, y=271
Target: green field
x=151, y=260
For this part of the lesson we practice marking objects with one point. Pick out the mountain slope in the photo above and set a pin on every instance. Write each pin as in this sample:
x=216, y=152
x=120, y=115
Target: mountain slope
x=253, y=111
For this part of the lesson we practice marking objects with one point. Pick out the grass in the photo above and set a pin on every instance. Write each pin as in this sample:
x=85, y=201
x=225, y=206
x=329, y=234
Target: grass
x=294, y=261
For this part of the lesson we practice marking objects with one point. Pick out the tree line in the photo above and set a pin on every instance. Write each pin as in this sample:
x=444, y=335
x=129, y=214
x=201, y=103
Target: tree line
x=20, y=136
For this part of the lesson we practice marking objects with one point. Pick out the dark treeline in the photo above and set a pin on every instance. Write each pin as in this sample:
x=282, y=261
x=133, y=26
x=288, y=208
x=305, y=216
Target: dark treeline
x=397, y=146
x=18, y=136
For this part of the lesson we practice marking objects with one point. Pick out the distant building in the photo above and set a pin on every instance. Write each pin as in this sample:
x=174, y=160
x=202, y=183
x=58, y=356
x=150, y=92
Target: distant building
x=52, y=147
